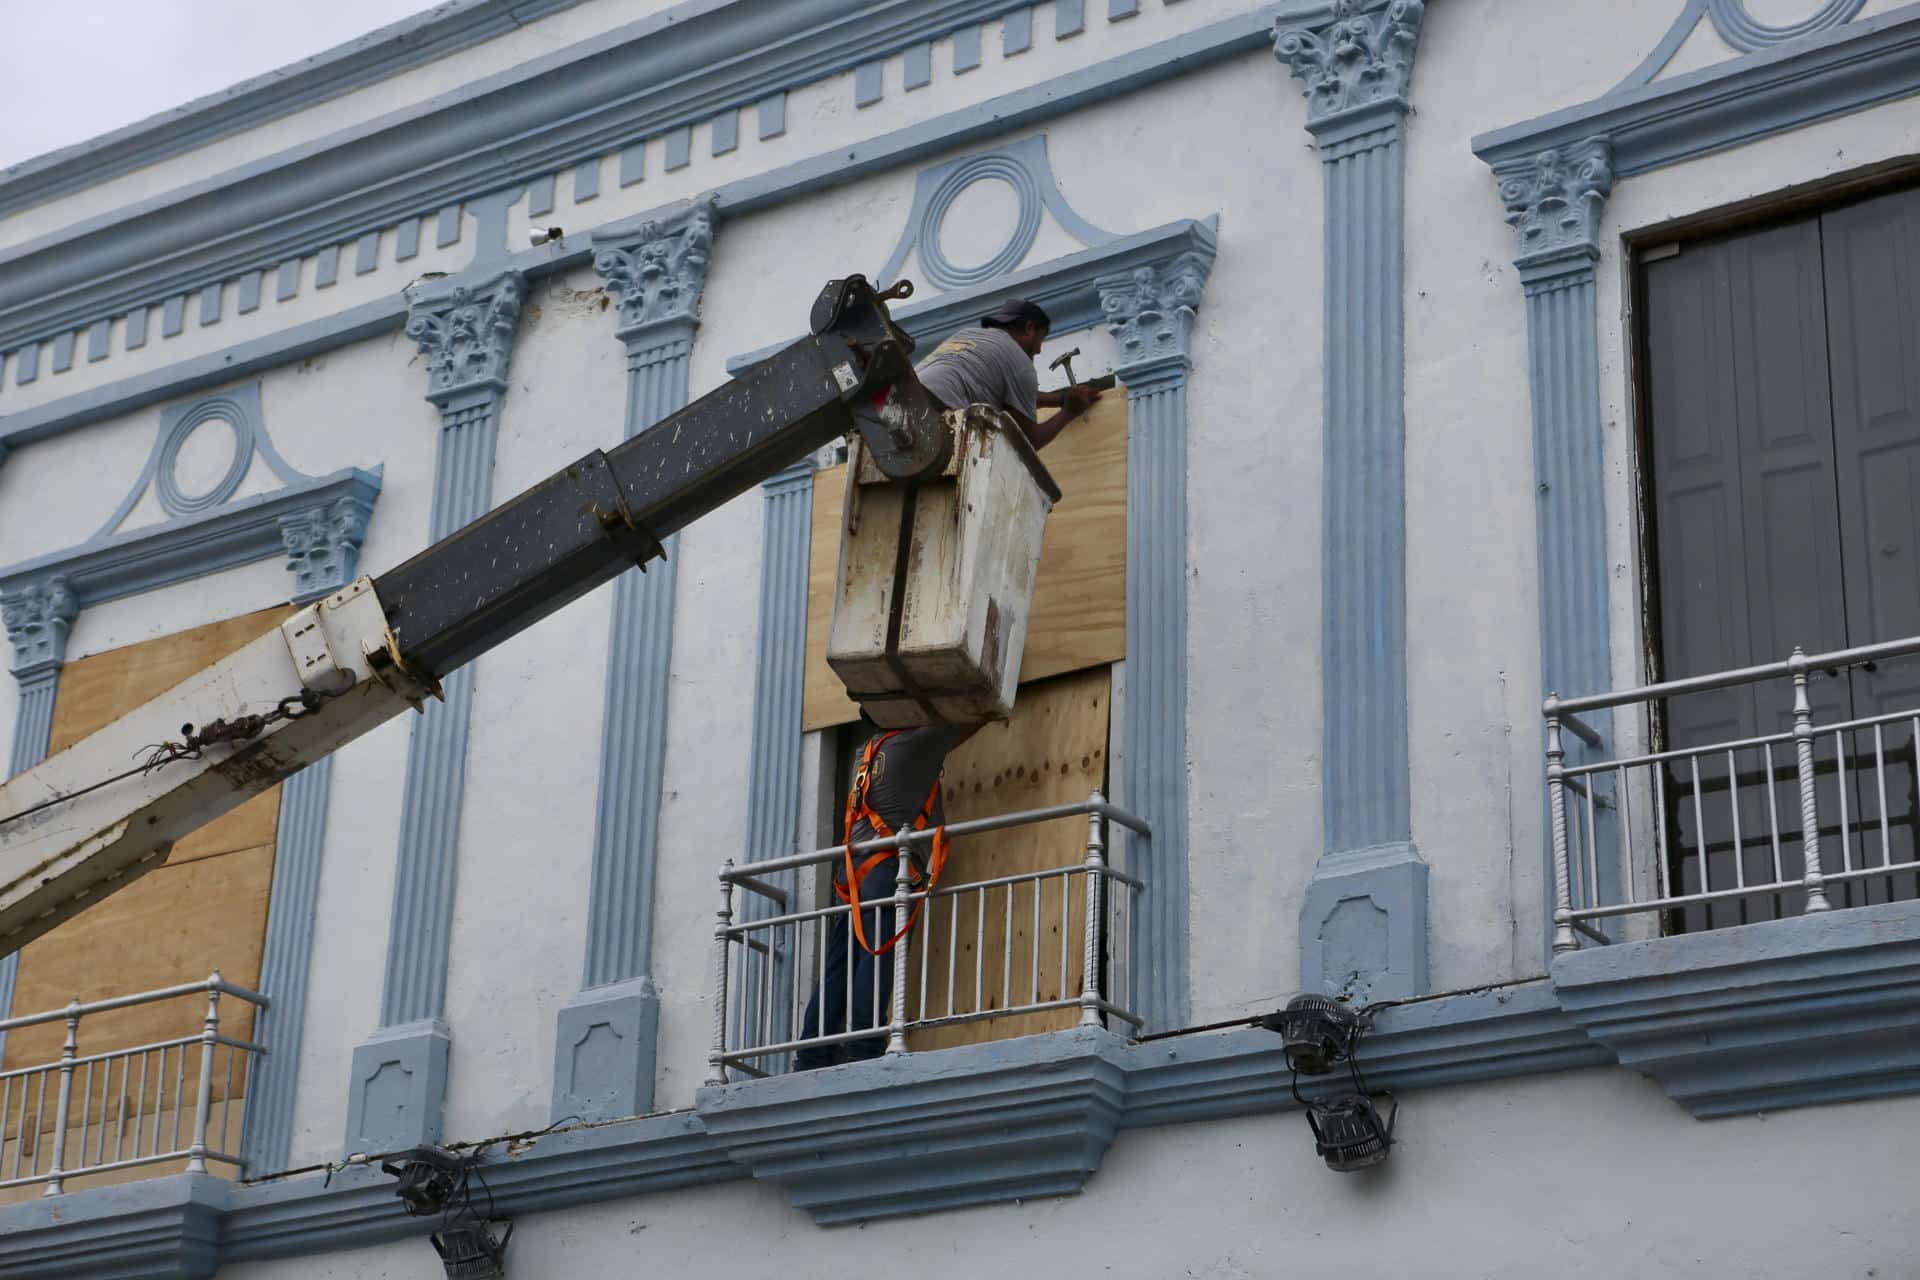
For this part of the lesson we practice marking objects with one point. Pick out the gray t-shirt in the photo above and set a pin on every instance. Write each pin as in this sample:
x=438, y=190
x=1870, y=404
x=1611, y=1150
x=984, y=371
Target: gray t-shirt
x=983, y=366
x=904, y=773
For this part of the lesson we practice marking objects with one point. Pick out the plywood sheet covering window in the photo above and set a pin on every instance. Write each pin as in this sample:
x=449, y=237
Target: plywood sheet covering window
x=1052, y=751
x=204, y=909
x=1079, y=617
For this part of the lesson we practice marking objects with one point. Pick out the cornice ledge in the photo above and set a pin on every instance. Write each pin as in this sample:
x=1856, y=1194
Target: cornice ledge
x=981, y=1124
x=1757, y=1017
x=1741, y=100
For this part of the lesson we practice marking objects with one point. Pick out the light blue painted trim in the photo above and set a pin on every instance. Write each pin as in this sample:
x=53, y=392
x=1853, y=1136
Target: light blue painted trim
x=399, y=1085
x=152, y=1229
x=604, y=1048
x=1363, y=925
x=326, y=267
x=286, y=957
x=39, y=684
x=939, y=1115
x=633, y=163
x=562, y=108
x=366, y=254
x=679, y=144
x=244, y=531
x=447, y=229
x=287, y=283
x=725, y=131
x=966, y=49
x=388, y=51
x=867, y=83
x=540, y=194
x=63, y=351
x=465, y=330
x=211, y=300
x=1016, y=33
x=1069, y=287
x=1121, y=9
x=1834, y=72
x=249, y=296
x=1069, y=18
x=1781, y=1013
x=99, y=337
x=919, y=66
x=173, y=316
x=27, y=367
x=1024, y=167
x=1747, y=33
x=137, y=324
x=1012, y=111
x=1669, y=45
x=773, y=116
x=406, y=239
x=586, y=180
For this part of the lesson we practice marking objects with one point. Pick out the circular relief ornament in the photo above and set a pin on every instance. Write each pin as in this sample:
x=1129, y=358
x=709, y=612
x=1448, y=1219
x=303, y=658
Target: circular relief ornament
x=939, y=267
x=173, y=494
x=1747, y=33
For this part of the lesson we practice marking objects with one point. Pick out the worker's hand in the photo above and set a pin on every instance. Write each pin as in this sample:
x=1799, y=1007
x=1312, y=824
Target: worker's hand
x=1079, y=399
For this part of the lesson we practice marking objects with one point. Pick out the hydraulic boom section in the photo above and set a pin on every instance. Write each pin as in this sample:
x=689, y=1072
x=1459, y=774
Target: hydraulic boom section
x=91, y=819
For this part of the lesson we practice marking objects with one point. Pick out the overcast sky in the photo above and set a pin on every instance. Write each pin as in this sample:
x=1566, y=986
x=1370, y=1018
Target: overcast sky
x=72, y=70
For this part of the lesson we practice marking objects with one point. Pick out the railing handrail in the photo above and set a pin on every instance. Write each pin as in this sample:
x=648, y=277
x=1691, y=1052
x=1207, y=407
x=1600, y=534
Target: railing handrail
x=215, y=983
x=1558, y=706
x=736, y=874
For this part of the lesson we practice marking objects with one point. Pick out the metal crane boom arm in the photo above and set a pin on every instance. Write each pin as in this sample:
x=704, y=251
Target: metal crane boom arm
x=83, y=824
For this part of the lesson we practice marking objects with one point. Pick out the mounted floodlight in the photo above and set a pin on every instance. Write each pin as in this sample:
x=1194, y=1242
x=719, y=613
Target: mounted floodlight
x=429, y=1177
x=468, y=1250
x=1348, y=1131
x=1317, y=1032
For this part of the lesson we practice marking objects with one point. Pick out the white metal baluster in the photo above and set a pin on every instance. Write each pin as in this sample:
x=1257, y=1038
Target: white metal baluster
x=1660, y=829
x=63, y=1106
x=1699, y=822
x=1733, y=806
x=6, y=1101
x=1846, y=818
x=766, y=991
x=120, y=1122
x=926, y=908
x=1813, y=876
x=1564, y=938
x=1592, y=781
x=903, y=868
x=40, y=1119
x=1090, y=976
x=226, y=1102
x=953, y=944
x=1880, y=777
x=140, y=1112
x=716, y=1058
x=1006, y=953
x=1622, y=784
x=179, y=1092
x=1773, y=818
x=1066, y=930
x=1033, y=969
x=86, y=1114
x=203, y=1096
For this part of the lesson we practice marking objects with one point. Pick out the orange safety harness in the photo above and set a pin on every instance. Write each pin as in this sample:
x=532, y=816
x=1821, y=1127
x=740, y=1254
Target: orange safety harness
x=858, y=808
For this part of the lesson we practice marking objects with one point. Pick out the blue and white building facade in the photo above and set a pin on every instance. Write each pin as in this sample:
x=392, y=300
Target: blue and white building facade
x=1375, y=276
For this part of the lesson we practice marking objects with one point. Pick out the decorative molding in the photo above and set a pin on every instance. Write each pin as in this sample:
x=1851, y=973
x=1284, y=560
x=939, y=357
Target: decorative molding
x=1555, y=200
x=286, y=956
x=1023, y=167
x=1017, y=109
x=604, y=1044
x=39, y=682
x=1013, y=1119
x=1150, y=309
x=1357, y=58
x=465, y=328
x=445, y=29
x=323, y=546
x=1815, y=77
x=466, y=335
x=657, y=267
x=1747, y=33
x=244, y=531
x=1781, y=1013
x=152, y=1229
x=1363, y=921
x=39, y=617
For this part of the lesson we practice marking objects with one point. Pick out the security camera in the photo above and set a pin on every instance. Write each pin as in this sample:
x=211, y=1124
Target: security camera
x=541, y=235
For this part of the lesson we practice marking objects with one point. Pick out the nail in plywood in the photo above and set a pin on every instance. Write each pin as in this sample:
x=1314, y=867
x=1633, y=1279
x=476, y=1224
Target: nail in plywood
x=1051, y=751
x=1079, y=611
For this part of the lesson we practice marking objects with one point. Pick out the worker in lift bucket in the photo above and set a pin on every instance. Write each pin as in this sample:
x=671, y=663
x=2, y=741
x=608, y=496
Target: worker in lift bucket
x=897, y=781
x=993, y=365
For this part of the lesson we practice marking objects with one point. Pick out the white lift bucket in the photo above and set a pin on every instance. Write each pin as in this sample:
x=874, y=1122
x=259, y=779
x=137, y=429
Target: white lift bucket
x=935, y=583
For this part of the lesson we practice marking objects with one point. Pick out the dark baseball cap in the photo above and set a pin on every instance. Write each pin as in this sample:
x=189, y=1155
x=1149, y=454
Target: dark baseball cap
x=1017, y=311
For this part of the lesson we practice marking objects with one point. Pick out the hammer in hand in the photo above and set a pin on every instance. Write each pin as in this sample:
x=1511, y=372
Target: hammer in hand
x=1101, y=383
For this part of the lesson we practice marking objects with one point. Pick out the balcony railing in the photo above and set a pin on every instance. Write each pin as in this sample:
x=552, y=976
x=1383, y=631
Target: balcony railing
x=766, y=969
x=1816, y=815
x=124, y=1108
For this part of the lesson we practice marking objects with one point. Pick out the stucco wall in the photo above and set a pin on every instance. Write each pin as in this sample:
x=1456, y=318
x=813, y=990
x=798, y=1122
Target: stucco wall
x=1587, y=1174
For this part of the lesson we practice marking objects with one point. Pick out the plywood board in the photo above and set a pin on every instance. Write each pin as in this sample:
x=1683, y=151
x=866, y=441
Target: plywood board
x=1052, y=751
x=1079, y=613
x=205, y=909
